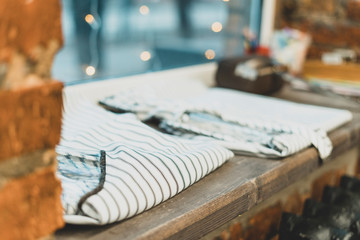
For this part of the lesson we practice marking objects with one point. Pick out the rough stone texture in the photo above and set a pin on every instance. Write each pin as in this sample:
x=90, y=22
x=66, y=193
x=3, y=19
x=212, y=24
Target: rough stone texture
x=30, y=36
x=233, y=233
x=236, y=231
x=225, y=235
x=20, y=166
x=30, y=206
x=332, y=24
x=357, y=167
x=30, y=119
x=30, y=113
x=353, y=10
x=295, y=202
x=265, y=224
x=329, y=178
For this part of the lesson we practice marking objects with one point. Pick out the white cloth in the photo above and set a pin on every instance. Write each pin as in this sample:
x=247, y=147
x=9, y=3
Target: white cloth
x=243, y=122
x=112, y=166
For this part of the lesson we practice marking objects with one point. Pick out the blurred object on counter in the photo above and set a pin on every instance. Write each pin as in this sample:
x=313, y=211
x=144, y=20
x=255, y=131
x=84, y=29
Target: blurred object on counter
x=250, y=41
x=252, y=73
x=339, y=56
x=289, y=47
x=342, y=79
x=251, y=44
x=347, y=72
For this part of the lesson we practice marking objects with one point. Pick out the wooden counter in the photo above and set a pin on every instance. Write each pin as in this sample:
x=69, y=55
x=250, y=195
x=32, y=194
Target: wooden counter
x=233, y=189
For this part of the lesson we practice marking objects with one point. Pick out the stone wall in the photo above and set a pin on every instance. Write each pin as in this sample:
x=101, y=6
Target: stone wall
x=30, y=119
x=30, y=37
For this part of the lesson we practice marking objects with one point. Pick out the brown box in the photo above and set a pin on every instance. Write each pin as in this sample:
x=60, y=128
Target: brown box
x=30, y=119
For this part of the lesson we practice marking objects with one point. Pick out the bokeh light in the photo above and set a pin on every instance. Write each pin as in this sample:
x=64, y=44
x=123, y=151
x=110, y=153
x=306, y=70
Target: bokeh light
x=144, y=10
x=145, y=56
x=210, y=54
x=90, y=70
x=89, y=18
x=216, y=27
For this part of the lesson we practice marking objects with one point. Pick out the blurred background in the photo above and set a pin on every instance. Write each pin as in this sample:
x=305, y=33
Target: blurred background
x=111, y=38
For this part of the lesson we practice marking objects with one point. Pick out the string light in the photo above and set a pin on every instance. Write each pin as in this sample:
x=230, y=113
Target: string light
x=94, y=20
x=216, y=27
x=210, y=54
x=90, y=70
x=145, y=56
x=144, y=10
x=89, y=18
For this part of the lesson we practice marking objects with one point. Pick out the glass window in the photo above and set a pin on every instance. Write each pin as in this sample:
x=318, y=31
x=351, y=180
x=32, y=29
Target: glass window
x=112, y=38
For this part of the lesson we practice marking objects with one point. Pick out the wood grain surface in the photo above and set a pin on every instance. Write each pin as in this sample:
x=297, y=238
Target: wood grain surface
x=346, y=71
x=233, y=189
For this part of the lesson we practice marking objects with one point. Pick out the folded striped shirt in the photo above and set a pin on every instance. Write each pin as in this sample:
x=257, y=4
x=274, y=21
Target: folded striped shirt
x=113, y=166
x=245, y=123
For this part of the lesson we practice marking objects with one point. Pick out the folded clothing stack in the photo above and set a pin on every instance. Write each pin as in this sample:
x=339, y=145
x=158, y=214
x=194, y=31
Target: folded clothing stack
x=113, y=166
x=242, y=122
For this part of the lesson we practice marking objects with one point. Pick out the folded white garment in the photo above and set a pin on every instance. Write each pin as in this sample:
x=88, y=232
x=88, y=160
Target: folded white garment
x=245, y=123
x=112, y=166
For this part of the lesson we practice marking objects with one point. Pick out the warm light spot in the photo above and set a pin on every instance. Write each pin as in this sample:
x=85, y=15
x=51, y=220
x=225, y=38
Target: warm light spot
x=89, y=19
x=90, y=70
x=145, y=56
x=216, y=27
x=210, y=54
x=226, y=0
x=144, y=10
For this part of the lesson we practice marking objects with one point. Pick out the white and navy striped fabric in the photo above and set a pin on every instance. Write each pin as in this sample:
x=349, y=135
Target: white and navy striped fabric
x=245, y=123
x=113, y=166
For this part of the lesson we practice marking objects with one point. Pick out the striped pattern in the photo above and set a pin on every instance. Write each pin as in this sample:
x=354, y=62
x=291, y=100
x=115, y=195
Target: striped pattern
x=245, y=123
x=143, y=166
x=264, y=139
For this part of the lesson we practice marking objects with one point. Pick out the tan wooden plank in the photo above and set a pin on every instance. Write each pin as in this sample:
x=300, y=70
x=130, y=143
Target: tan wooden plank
x=231, y=190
